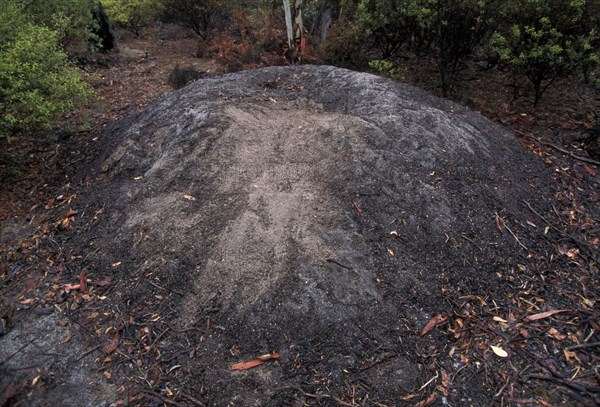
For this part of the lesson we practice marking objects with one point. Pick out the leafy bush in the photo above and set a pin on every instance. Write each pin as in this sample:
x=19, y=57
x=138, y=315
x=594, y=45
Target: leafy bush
x=37, y=82
x=389, y=24
x=199, y=16
x=545, y=39
x=386, y=68
x=133, y=14
x=344, y=46
x=72, y=19
x=448, y=29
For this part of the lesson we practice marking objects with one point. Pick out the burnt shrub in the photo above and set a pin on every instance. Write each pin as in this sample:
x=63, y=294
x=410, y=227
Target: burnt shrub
x=249, y=43
x=179, y=77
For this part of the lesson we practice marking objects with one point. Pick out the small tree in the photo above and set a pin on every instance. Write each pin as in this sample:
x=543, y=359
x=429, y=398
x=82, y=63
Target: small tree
x=133, y=14
x=199, y=16
x=73, y=20
x=390, y=24
x=540, y=40
x=37, y=82
x=448, y=29
x=587, y=45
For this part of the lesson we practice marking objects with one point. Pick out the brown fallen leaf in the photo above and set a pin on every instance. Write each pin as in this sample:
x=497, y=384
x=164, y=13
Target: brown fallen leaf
x=247, y=365
x=254, y=362
x=589, y=170
x=426, y=402
x=82, y=286
x=500, y=223
x=67, y=338
x=70, y=213
x=433, y=322
x=114, y=343
x=103, y=282
x=10, y=390
x=269, y=356
x=542, y=315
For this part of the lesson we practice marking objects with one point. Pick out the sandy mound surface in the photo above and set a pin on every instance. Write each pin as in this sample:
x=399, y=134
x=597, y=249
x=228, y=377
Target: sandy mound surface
x=315, y=212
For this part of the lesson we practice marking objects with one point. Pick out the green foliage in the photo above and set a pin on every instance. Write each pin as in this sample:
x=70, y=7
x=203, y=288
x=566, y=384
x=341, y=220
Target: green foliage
x=37, y=81
x=200, y=16
x=133, y=14
x=544, y=39
x=344, y=46
x=448, y=29
x=385, y=67
x=72, y=19
x=391, y=24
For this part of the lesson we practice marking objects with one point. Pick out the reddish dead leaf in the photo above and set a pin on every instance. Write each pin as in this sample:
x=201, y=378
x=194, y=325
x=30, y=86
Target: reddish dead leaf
x=67, y=338
x=500, y=223
x=269, y=356
x=595, y=325
x=589, y=170
x=426, y=402
x=542, y=315
x=69, y=287
x=10, y=390
x=433, y=322
x=356, y=209
x=82, y=286
x=70, y=213
x=572, y=253
x=247, y=365
x=114, y=343
x=103, y=282
x=554, y=333
x=254, y=362
x=31, y=283
x=409, y=397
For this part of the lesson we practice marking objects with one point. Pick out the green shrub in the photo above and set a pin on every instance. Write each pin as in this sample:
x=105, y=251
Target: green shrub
x=73, y=20
x=447, y=29
x=133, y=14
x=385, y=68
x=37, y=82
x=544, y=39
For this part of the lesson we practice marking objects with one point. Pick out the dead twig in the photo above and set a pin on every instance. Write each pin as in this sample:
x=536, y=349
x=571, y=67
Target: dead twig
x=516, y=238
x=316, y=396
x=339, y=264
x=564, y=382
x=583, y=345
x=582, y=246
x=192, y=400
x=472, y=242
x=161, y=398
x=88, y=352
x=429, y=381
x=9, y=357
x=573, y=155
x=499, y=392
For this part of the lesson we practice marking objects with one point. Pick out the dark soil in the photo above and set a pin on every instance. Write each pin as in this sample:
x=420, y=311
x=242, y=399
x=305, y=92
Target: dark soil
x=374, y=240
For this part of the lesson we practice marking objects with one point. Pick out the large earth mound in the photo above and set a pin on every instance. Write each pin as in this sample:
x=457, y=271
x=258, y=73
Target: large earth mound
x=315, y=212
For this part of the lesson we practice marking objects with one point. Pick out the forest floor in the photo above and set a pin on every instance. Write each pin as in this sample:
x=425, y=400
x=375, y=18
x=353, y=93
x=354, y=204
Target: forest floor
x=562, y=344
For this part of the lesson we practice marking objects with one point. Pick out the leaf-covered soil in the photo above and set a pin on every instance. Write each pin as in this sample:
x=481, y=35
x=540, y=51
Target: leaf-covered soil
x=140, y=263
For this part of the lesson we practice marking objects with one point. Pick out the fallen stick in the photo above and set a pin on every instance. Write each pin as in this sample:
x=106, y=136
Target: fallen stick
x=573, y=155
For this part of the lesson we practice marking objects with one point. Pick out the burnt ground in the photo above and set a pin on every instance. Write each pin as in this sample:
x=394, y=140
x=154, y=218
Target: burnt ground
x=320, y=216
